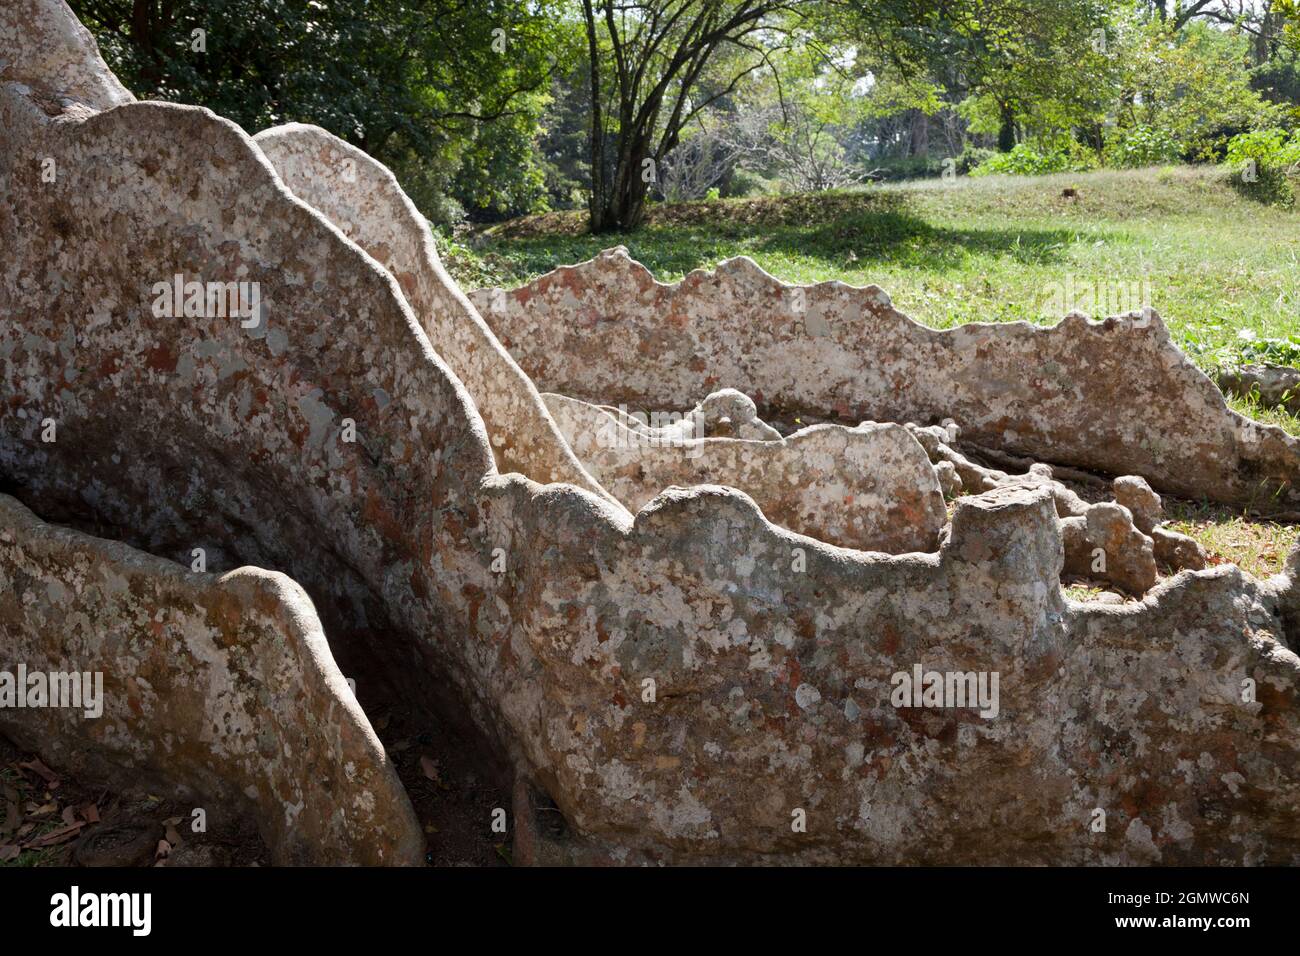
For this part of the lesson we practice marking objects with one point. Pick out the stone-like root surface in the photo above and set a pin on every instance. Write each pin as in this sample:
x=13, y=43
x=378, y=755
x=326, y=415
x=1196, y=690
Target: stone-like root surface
x=1117, y=397
x=692, y=682
x=202, y=685
x=869, y=487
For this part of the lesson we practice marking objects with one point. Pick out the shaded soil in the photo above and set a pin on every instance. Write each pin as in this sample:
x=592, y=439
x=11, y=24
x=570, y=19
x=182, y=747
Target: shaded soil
x=441, y=770
x=85, y=825
x=452, y=793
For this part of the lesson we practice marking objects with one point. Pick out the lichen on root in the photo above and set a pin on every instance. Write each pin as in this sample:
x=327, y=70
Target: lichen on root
x=687, y=681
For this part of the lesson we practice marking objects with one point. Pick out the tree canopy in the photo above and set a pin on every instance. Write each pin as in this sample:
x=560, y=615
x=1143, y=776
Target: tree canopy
x=492, y=108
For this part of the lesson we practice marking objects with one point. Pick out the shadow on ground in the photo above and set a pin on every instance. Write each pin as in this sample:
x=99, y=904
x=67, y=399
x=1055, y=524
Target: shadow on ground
x=862, y=227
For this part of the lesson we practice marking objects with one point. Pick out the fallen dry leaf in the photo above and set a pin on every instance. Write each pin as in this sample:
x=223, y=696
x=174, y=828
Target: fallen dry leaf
x=430, y=768
x=173, y=837
x=13, y=817
x=55, y=836
x=90, y=813
x=45, y=773
x=69, y=815
x=9, y=852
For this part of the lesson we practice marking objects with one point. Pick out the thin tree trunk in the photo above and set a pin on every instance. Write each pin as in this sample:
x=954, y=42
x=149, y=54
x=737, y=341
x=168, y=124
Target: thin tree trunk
x=1007, y=132
x=599, y=198
x=920, y=134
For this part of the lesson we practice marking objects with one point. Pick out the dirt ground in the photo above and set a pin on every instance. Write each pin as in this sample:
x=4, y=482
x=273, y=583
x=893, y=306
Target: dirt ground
x=48, y=818
x=52, y=819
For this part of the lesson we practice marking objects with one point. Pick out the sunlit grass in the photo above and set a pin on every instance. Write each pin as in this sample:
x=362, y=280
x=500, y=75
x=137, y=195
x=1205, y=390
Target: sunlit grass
x=1083, y=593
x=990, y=250
x=1257, y=547
x=1269, y=416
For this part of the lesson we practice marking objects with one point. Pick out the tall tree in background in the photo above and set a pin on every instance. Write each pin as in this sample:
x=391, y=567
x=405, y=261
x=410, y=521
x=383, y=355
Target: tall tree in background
x=496, y=108
x=1013, y=54
x=646, y=59
x=408, y=81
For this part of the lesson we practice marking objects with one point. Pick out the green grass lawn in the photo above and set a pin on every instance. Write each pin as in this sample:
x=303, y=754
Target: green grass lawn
x=993, y=249
x=996, y=249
